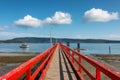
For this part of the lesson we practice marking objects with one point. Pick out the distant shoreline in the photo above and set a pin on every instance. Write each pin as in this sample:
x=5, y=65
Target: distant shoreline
x=59, y=42
x=63, y=40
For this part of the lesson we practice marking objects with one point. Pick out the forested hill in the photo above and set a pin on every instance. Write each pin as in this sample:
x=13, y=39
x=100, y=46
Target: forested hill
x=47, y=40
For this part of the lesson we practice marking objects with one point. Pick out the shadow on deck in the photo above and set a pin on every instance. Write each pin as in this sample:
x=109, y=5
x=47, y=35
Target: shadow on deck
x=60, y=69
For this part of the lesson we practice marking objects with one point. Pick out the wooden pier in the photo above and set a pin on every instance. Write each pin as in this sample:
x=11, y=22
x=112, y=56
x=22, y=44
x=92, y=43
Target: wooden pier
x=60, y=68
x=60, y=62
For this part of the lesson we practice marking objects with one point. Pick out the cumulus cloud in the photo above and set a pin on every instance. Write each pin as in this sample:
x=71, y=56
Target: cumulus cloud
x=29, y=21
x=57, y=19
x=99, y=15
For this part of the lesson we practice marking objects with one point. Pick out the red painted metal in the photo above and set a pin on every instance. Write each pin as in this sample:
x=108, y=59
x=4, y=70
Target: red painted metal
x=80, y=61
x=26, y=67
x=100, y=68
x=76, y=62
x=98, y=76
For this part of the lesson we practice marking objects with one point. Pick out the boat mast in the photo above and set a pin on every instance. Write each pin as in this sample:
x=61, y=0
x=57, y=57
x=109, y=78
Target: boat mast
x=51, y=35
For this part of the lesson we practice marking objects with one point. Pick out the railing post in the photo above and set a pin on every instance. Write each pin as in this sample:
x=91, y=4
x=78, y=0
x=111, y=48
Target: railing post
x=69, y=53
x=98, y=77
x=80, y=60
x=72, y=57
x=42, y=62
x=28, y=74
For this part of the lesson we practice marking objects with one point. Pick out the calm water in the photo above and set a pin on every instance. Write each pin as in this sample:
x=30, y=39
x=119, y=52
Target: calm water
x=38, y=47
x=99, y=48
x=15, y=47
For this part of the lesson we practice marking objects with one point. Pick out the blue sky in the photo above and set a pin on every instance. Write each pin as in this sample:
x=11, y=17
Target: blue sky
x=82, y=19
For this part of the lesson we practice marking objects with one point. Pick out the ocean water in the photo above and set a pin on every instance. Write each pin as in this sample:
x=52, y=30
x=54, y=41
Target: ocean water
x=96, y=48
x=15, y=47
x=99, y=48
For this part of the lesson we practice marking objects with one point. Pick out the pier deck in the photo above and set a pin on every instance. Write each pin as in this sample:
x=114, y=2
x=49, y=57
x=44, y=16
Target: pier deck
x=60, y=68
x=60, y=62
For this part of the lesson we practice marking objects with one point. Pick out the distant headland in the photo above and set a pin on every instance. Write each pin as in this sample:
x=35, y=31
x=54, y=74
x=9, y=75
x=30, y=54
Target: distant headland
x=63, y=40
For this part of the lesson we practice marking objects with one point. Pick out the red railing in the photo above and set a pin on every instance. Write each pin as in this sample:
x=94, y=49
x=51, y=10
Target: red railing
x=75, y=58
x=35, y=68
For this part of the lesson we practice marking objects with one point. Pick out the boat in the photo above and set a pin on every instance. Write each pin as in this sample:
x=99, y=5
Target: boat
x=25, y=45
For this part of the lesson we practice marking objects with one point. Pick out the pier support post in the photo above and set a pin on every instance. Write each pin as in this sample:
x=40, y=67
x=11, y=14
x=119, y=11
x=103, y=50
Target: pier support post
x=78, y=47
x=109, y=50
x=68, y=44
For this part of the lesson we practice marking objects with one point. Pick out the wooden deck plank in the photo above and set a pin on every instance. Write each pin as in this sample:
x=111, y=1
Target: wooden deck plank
x=60, y=68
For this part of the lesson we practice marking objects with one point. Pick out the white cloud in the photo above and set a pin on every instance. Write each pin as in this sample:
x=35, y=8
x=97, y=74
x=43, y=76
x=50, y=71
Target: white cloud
x=10, y=35
x=108, y=37
x=29, y=21
x=99, y=15
x=57, y=19
x=114, y=37
x=3, y=28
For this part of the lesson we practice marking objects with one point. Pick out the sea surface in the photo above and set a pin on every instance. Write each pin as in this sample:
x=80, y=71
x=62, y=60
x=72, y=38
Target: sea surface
x=90, y=48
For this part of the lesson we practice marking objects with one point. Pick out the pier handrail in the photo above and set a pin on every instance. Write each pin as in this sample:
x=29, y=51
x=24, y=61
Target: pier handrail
x=35, y=67
x=75, y=58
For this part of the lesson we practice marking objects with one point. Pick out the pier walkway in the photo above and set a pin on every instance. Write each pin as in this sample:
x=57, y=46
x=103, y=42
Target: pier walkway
x=60, y=68
x=60, y=62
